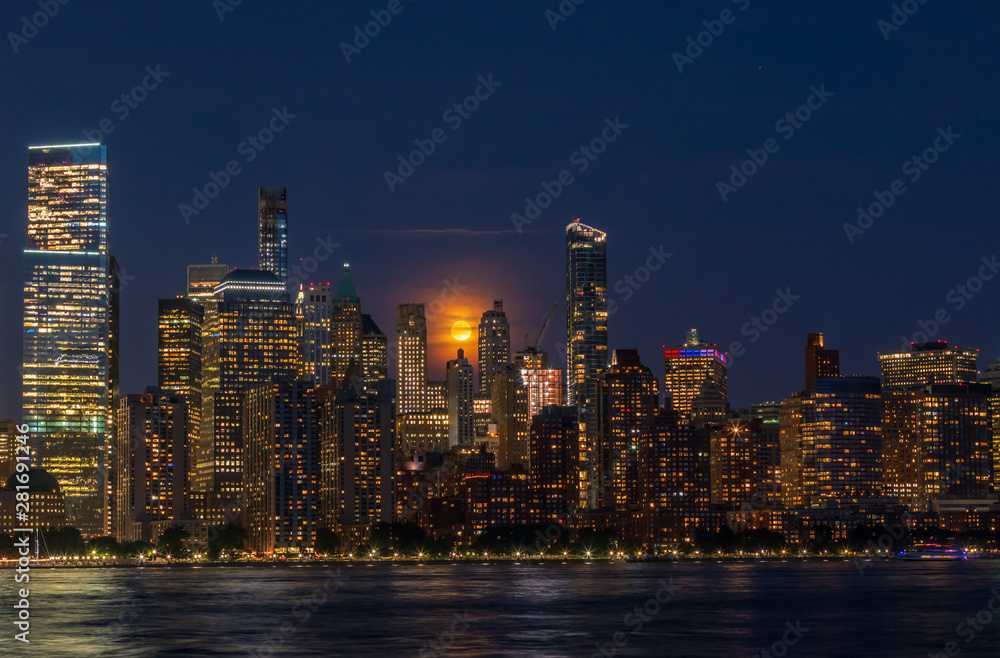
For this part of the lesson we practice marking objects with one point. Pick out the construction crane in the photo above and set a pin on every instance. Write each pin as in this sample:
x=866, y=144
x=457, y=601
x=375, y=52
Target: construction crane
x=545, y=323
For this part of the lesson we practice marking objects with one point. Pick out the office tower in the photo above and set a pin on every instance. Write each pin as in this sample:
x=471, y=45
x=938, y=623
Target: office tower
x=357, y=469
x=628, y=399
x=586, y=339
x=901, y=446
x=956, y=443
x=709, y=408
x=9, y=448
x=555, y=465
x=411, y=359
x=544, y=383
x=202, y=279
x=437, y=395
x=495, y=499
x=494, y=346
x=272, y=236
x=179, y=366
x=992, y=377
x=841, y=437
x=767, y=453
x=510, y=413
x=346, y=328
x=67, y=342
x=314, y=309
x=461, y=430
x=281, y=468
x=420, y=432
x=257, y=343
x=739, y=463
x=114, y=361
x=928, y=363
x=150, y=463
x=674, y=481
x=374, y=352
x=687, y=367
x=790, y=445
x=47, y=508
x=820, y=362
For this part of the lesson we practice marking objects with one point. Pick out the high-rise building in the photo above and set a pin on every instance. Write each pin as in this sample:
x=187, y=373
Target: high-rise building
x=790, y=445
x=820, y=362
x=956, y=441
x=346, y=328
x=314, y=309
x=9, y=448
x=272, y=223
x=179, y=366
x=555, y=465
x=688, y=367
x=67, y=380
x=901, y=446
x=992, y=377
x=928, y=363
x=739, y=465
x=586, y=339
x=421, y=432
x=357, y=469
x=510, y=413
x=374, y=352
x=151, y=463
x=281, y=467
x=461, y=429
x=411, y=359
x=494, y=346
x=544, y=383
x=767, y=453
x=628, y=401
x=257, y=343
x=202, y=279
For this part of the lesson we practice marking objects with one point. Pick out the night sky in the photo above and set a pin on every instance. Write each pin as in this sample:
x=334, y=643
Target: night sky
x=654, y=187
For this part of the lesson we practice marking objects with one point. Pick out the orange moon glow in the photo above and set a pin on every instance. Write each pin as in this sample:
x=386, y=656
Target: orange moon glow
x=461, y=330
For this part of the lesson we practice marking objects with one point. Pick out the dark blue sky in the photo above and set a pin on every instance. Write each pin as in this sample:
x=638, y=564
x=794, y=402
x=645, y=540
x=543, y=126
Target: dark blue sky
x=656, y=184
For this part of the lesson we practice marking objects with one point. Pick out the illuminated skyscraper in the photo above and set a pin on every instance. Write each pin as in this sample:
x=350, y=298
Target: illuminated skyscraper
x=494, y=346
x=179, y=368
x=346, y=327
x=928, y=363
x=374, y=352
x=628, y=401
x=314, y=308
x=202, y=279
x=586, y=339
x=820, y=362
x=992, y=377
x=411, y=359
x=555, y=464
x=68, y=379
x=281, y=468
x=272, y=218
x=461, y=430
x=687, y=368
x=544, y=383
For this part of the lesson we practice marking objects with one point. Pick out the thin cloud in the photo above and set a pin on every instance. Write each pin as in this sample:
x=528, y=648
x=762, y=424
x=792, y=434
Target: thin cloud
x=436, y=232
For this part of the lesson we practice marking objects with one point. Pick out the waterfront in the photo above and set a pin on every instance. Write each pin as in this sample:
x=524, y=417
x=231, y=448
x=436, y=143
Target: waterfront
x=731, y=608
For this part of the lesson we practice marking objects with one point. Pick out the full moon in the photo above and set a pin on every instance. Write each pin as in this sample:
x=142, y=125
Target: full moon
x=461, y=330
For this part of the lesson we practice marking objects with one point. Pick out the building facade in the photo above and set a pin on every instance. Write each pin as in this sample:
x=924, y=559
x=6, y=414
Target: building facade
x=494, y=346
x=272, y=232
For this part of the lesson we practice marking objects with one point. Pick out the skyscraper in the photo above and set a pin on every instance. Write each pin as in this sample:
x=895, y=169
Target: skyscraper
x=460, y=394
x=586, y=339
x=374, y=352
x=179, y=366
x=928, y=363
x=411, y=359
x=688, y=367
x=346, y=327
x=628, y=401
x=494, y=346
x=510, y=413
x=555, y=464
x=272, y=223
x=992, y=377
x=67, y=343
x=314, y=308
x=544, y=383
x=202, y=279
x=820, y=362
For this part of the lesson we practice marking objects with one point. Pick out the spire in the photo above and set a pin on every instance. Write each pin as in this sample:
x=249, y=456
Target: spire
x=346, y=288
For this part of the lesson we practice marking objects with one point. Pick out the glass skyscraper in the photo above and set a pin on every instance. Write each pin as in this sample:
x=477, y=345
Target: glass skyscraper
x=67, y=376
x=586, y=339
x=272, y=218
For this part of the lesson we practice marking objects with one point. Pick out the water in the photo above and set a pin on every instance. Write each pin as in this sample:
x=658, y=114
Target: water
x=508, y=609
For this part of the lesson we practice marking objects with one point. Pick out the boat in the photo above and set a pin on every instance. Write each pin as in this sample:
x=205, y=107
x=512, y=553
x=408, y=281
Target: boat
x=933, y=552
